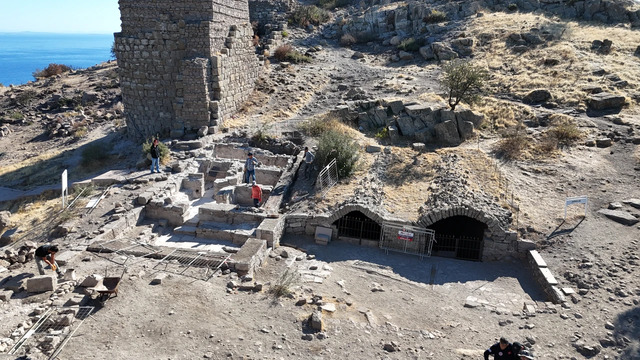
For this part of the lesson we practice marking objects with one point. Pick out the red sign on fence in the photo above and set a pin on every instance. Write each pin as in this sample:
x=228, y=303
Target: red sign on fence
x=405, y=235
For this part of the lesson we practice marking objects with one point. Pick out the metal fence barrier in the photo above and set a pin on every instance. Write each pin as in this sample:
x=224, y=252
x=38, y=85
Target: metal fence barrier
x=406, y=239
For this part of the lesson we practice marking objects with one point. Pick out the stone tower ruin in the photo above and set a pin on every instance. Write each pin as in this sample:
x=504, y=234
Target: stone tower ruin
x=184, y=64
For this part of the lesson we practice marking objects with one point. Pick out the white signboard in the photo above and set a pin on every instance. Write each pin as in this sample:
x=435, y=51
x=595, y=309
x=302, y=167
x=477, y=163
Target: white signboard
x=575, y=200
x=65, y=189
x=405, y=235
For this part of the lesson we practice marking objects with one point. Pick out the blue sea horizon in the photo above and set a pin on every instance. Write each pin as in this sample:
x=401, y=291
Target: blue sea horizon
x=22, y=53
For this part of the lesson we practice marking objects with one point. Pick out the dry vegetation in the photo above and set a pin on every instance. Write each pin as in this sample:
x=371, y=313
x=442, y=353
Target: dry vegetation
x=519, y=73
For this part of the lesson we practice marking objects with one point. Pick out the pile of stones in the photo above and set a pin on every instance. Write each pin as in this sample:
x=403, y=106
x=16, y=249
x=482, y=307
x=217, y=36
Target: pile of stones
x=14, y=258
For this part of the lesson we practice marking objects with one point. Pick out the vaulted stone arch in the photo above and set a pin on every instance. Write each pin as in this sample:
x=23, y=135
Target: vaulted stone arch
x=344, y=210
x=490, y=240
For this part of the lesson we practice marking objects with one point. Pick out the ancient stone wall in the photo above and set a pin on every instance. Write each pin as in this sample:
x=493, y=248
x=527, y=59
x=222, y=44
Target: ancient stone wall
x=270, y=11
x=185, y=64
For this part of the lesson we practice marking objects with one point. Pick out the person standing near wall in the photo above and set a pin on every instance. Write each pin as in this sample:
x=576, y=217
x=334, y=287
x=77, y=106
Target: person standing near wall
x=250, y=168
x=308, y=162
x=155, y=156
x=256, y=194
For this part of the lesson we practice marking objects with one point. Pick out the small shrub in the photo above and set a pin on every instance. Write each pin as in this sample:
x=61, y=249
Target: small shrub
x=262, y=135
x=25, y=98
x=17, y=116
x=95, y=154
x=113, y=49
x=80, y=132
x=564, y=131
x=512, y=146
x=347, y=40
x=411, y=44
x=296, y=57
x=162, y=148
x=512, y=7
x=285, y=34
x=382, y=133
x=282, y=51
x=309, y=15
x=284, y=284
x=317, y=126
x=51, y=70
x=435, y=16
x=334, y=144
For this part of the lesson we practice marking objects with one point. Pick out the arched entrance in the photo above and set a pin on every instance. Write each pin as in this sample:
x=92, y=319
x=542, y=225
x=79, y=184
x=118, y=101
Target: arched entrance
x=459, y=237
x=357, y=226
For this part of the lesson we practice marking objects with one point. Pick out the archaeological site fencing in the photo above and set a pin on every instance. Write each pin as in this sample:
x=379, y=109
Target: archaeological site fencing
x=327, y=178
x=406, y=239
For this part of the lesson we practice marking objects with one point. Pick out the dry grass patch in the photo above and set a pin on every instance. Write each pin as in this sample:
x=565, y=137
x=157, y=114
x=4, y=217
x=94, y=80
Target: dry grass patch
x=519, y=73
x=500, y=114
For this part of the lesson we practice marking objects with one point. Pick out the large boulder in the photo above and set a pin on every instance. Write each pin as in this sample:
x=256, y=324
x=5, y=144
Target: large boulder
x=619, y=216
x=427, y=53
x=447, y=132
x=5, y=219
x=465, y=129
x=537, y=96
x=463, y=46
x=605, y=100
x=468, y=115
x=443, y=51
x=405, y=124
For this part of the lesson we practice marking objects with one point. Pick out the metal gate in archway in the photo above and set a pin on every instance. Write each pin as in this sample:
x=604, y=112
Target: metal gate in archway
x=357, y=225
x=406, y=239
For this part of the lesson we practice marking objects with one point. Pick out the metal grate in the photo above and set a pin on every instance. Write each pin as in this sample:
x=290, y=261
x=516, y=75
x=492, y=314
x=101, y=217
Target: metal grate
x=407, y=239
x=138, y=249
x=358, y=226
x=458, y=246
x=328, y=177
x=200, y=265
x=53, y=330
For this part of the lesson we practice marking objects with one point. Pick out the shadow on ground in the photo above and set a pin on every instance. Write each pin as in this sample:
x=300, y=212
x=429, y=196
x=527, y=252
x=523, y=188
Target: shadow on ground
x=429, y=270
x=48, y=171
x=628, y=325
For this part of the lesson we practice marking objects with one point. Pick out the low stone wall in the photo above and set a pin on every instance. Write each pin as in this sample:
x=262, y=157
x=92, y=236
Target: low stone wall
x=271, y=230
x=175, y=214
x=116, y=229
x=239, y=151
x=242, y=195
x=544, y=277
x=228, y=213
x=268, y=175
x=193, y=184
x=251, y=255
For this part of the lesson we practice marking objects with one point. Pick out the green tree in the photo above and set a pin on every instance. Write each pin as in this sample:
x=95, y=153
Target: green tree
x=462, y=81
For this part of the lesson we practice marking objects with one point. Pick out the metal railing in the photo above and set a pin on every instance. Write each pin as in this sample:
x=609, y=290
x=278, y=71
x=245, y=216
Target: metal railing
x=328, y=177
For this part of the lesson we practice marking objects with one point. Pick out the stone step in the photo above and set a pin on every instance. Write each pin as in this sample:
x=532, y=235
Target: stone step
x=237, y=234
x=185, y=230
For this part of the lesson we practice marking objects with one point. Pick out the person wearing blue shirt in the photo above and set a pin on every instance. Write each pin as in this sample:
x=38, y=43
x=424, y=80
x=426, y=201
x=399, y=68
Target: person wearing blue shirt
x=250, y=168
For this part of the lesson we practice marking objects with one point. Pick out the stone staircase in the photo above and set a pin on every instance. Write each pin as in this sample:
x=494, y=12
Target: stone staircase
x=225, y=222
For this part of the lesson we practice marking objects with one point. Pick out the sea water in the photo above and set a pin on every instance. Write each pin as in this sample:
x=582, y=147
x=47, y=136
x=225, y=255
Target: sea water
x=21, y=54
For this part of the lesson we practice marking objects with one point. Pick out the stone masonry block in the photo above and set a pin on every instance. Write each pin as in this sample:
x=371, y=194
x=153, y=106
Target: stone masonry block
x=42, y=283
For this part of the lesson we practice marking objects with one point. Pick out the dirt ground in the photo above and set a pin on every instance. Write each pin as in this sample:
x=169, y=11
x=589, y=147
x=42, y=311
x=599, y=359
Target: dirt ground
x=388, y=306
